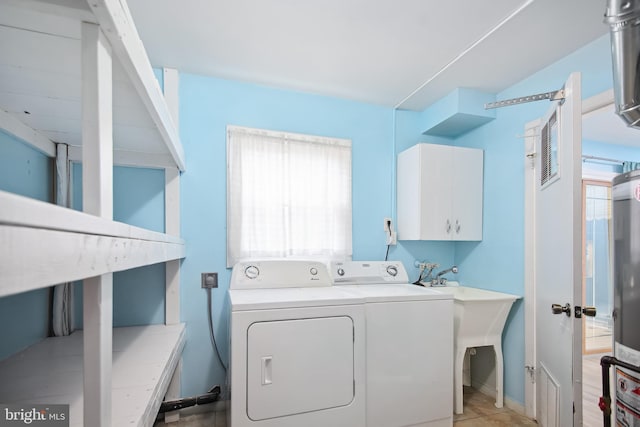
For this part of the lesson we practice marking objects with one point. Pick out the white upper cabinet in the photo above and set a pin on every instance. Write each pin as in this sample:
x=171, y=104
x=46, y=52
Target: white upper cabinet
x=440, y=193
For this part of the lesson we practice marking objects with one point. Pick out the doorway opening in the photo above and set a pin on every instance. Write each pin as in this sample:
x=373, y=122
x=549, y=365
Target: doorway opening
x=597, y=291
x=597, y=266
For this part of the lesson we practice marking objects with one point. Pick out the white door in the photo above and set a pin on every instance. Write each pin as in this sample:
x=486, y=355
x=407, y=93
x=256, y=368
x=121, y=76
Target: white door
x=558, y=262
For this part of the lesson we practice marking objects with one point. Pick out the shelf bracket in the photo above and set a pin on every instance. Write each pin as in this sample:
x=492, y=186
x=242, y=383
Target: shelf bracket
x=556, y=95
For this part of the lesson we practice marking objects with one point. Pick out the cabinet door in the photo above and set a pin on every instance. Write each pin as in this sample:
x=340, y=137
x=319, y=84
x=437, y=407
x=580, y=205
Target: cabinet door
x=409, y=194
x=435, y=196
x=466, y=192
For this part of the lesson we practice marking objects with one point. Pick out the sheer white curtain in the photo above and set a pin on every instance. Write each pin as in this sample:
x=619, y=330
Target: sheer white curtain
x=288, y=195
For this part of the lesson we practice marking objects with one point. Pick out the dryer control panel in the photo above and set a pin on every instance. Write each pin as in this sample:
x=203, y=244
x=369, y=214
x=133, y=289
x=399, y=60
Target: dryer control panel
x=271, y=274
x=368, y=272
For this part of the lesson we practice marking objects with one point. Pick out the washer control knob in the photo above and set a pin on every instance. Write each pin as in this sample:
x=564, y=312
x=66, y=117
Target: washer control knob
x=313, y=271
x=340, y=271
x=251, y=272
x=392, y=270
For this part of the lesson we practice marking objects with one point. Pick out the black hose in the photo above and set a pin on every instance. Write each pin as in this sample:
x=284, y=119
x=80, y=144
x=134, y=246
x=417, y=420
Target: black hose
x=174, y=405
x=211, y=334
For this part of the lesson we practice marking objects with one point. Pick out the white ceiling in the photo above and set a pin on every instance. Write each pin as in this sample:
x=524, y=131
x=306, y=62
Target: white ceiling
x=405, y=53
x=603, y=125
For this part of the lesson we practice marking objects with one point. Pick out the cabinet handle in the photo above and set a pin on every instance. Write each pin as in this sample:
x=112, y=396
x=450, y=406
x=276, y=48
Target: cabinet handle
x=448, y=226
x=457, y=226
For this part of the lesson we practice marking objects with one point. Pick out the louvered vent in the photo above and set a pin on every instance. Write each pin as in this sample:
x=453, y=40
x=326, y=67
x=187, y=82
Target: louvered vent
x=549, y=159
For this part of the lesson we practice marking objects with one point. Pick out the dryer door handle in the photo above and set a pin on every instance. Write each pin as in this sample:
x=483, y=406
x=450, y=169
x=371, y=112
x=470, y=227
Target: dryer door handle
x=267, y=362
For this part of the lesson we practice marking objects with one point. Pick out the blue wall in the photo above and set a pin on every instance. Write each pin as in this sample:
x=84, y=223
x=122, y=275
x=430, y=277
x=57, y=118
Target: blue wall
x=609, y=151
x=27, y=172
x=207, y=106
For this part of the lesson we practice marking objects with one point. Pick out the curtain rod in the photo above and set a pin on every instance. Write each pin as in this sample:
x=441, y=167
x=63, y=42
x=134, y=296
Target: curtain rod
x=602, y=159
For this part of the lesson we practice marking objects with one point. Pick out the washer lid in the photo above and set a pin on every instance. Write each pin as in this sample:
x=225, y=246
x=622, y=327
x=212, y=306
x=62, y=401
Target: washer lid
x=396, y=293
x=268, y=299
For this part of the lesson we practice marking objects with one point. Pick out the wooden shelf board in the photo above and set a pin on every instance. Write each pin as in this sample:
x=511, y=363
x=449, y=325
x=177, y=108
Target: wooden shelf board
x=50, y=372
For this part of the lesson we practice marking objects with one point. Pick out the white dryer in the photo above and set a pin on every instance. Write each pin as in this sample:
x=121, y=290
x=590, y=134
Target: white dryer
x=297, y=347
x=409, y=345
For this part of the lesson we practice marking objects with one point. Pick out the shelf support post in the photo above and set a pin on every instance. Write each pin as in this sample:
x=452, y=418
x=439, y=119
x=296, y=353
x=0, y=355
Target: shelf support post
x=97, y=196
x=172, y=226
x=172, y=205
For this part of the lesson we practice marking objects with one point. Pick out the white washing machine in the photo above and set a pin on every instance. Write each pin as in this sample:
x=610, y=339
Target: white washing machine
x=409, y=345
x=297, y=347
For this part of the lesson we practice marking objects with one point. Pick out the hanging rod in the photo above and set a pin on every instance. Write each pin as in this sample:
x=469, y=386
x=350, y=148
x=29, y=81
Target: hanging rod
x=556, y=95
x=602, y=159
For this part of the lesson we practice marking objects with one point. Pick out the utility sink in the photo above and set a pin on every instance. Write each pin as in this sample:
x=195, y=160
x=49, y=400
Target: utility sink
x=479, y=318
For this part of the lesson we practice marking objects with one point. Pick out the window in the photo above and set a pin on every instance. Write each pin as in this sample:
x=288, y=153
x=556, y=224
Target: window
x=549, y=150
x=288, y=195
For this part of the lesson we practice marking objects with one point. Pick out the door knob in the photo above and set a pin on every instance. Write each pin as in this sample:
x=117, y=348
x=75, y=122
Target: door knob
x=587, y=311
x=558, y=309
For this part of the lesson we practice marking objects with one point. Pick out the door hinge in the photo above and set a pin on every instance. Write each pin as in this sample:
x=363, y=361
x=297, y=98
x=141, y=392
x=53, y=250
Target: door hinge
x=531, y=370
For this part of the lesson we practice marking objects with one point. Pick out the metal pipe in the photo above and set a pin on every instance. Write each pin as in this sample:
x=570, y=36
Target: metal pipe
x=623, y=17
x=605, y=401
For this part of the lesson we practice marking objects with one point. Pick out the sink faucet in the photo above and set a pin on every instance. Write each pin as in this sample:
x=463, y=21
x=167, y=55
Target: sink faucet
x=422, y=277
x=442, y=281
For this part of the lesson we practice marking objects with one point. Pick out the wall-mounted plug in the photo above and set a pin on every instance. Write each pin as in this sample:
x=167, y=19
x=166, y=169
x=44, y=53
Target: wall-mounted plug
x=392, y=239
x=391, y=235
x=209, y=280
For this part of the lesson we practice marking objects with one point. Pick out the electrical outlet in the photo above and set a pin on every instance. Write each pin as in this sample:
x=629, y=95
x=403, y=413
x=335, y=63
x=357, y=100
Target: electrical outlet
x=392, y=239
x=209, y=280
x=388, y=225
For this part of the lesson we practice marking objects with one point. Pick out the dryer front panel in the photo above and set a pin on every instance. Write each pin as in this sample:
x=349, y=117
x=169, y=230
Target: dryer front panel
x=299, y=366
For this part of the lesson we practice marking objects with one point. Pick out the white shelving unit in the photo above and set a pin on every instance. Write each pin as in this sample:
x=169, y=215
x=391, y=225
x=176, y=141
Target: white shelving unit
x=75, y=72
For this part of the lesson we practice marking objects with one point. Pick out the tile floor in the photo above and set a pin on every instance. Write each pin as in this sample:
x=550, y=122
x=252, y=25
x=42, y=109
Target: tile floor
x=480, y=411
